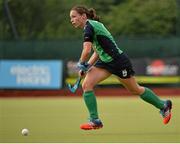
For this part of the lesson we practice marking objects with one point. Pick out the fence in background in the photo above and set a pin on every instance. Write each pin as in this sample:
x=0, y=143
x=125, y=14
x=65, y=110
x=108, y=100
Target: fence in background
x=70, y=49
x=157, y=59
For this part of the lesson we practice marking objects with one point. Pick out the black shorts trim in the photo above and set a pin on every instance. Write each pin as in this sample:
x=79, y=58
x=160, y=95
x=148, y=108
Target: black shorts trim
x=121, y=67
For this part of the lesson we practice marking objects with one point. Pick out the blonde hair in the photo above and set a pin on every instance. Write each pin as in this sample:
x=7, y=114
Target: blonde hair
x=90, y=13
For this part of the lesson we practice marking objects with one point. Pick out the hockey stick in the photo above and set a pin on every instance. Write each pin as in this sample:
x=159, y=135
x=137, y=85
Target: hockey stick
x=74, y=87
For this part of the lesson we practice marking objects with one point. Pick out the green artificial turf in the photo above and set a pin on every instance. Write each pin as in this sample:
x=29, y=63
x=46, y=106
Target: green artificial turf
x=57, y=120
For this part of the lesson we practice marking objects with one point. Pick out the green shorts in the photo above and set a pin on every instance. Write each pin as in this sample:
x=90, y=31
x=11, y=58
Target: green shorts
x=121, y=67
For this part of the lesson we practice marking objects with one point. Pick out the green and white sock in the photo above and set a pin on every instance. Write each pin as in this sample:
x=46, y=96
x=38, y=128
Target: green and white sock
x=150, y=97
x=91, y=104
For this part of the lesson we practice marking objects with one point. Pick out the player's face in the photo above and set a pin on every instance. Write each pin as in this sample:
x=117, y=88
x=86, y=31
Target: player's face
x=77, y=20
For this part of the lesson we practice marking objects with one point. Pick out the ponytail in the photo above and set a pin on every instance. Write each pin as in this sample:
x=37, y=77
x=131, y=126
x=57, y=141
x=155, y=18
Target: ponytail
x=90, y=13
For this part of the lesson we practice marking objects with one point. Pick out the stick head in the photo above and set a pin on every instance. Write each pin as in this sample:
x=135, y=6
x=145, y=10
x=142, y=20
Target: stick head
x=71, y=88
x=75, y=86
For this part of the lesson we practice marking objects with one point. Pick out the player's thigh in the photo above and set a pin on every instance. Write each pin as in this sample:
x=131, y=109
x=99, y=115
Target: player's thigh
x=94, y=76
x=132, y=85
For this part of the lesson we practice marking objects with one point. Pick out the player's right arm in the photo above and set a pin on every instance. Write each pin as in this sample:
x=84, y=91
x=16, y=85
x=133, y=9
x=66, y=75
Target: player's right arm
x=87, y=46
x=88, y=42
x=83, y=64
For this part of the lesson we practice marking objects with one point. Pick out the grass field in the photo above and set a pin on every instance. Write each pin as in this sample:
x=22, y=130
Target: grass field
x=58, y=119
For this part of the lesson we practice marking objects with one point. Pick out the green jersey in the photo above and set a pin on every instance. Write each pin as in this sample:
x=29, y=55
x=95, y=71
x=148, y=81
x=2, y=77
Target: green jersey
x=103, y=42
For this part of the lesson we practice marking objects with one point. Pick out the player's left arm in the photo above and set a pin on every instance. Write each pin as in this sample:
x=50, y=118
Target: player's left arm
x=93, y=58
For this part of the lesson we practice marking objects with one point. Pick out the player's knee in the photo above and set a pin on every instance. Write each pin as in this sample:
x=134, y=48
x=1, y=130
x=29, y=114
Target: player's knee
x=138, y=91
x=86, y=86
